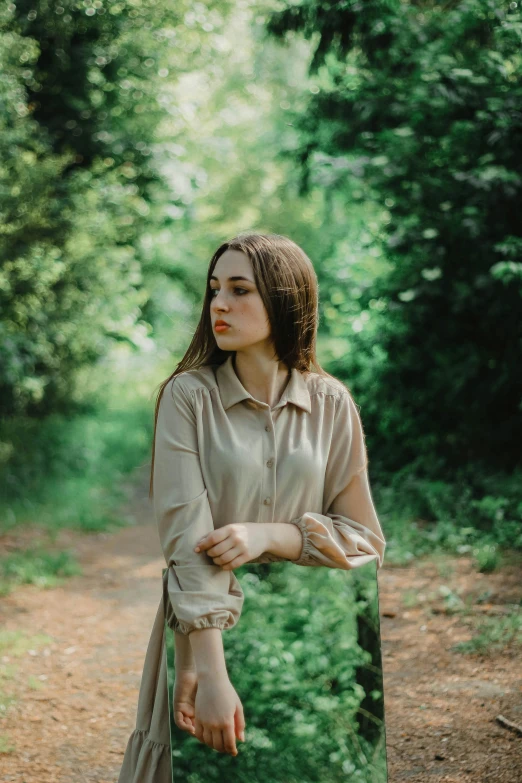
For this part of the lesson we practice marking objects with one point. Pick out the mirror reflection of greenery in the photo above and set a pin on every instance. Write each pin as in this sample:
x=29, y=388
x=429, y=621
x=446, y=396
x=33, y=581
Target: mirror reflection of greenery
x=305, y=660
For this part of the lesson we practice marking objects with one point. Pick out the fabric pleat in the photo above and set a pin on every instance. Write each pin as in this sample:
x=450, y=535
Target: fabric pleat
x=145, y=761
x=147, y=755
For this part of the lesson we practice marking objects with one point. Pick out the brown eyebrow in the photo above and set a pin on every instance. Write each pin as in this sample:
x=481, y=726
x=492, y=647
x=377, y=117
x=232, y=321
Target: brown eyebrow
x=236, y=277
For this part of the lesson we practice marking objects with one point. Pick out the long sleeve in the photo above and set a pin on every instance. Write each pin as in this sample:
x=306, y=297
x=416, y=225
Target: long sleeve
x=348, y=535
x=202, y=594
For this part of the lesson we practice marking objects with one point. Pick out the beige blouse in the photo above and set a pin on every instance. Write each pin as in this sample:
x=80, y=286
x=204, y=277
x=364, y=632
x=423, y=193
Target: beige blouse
x=222, y=457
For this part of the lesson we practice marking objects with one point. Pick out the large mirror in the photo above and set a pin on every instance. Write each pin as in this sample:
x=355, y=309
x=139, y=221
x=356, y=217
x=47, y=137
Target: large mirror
x=305, y=659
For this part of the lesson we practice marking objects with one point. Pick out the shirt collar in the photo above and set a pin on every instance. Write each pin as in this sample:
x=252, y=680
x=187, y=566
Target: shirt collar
x=232, y=390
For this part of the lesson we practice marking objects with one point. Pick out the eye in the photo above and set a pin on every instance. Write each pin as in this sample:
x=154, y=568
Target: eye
x=236, y=288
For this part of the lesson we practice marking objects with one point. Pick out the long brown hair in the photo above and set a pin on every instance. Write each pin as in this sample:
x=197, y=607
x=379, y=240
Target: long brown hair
x=287, y=283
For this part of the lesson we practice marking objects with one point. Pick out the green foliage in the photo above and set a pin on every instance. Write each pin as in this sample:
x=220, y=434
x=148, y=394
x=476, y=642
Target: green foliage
x=96, y=63
x=62, y=291
x=6, y=746
x=71, y=471
x=296, y=665
x=146, y=133
x=495, y=634
x=416, y=104
x=478, y=515
x=487, y=557
x=83, y=89
x=36, y=567
x=14, y=645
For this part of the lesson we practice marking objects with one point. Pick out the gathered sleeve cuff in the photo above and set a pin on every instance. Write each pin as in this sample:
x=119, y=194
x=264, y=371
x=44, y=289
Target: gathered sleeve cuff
x=201, y=593
x=348, y=534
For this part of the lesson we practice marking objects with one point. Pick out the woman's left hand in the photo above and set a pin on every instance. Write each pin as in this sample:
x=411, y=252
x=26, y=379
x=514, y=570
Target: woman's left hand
x=233, y=545
x=184, y=707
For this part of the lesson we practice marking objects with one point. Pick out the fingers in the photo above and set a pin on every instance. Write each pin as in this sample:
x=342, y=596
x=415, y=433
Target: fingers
x=184, y=721
x=225, y=557
x=222, y=743
x=240, y=724
x=231, y=558
x=229, y=740
x=198, y=730
x=238, y=561
x=217, y=740
x=213, y=539
x=207, y=737
x=221, y=541
x=220, y=548
x=222, y=740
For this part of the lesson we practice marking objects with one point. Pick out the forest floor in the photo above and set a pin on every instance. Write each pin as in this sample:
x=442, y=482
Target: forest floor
x=71, y=673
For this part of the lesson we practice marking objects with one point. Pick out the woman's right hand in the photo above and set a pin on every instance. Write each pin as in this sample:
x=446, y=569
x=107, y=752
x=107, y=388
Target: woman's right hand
x=219, y=715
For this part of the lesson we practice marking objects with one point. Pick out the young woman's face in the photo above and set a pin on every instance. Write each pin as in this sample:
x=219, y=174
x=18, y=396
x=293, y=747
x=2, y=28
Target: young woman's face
x=237, y=302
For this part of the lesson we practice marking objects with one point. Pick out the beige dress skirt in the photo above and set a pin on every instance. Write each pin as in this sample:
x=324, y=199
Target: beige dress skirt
x=147, y=755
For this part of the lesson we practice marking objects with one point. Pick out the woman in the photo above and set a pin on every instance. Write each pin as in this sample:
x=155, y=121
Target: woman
x=259, y=456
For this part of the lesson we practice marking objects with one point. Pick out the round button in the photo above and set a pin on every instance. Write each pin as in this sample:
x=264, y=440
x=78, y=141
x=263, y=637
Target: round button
x=269, y=463
x=267, y=428
x=267, y=501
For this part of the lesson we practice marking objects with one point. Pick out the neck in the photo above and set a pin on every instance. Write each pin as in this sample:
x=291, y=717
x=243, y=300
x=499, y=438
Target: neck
x=265, y=381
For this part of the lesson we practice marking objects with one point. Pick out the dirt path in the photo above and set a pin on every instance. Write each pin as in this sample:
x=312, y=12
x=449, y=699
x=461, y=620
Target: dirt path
x=75, y=695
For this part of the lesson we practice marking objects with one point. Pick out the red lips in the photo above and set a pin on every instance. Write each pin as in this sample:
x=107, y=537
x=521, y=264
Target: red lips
x=221, y=323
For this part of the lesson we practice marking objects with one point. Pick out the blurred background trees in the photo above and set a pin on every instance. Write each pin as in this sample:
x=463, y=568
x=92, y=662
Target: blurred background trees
x=384, y=137
x=420, y=102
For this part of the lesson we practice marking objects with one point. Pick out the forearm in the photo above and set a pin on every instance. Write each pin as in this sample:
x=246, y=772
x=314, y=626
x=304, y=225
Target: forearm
x=209, y=654
x=284, y=540
x=184, y=658
x=206, y=644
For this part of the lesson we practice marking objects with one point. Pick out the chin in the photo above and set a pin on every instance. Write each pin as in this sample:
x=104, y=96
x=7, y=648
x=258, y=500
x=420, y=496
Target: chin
x=228, y=341
x=231, y=344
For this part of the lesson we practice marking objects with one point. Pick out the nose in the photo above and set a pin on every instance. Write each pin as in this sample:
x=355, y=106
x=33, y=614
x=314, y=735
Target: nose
x=218, y=302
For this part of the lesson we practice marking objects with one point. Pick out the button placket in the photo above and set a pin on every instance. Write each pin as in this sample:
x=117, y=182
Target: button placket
x=268, y=480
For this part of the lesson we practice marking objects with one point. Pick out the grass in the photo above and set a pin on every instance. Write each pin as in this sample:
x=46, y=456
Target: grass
x=409, y=538
x=476, y=513
x=489, y=634
x=70, y=470
x=73, y=475
x=36, y=567
x=6, y=745
x=14, y=645
x=494, y=634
